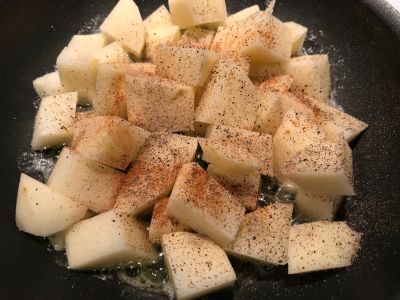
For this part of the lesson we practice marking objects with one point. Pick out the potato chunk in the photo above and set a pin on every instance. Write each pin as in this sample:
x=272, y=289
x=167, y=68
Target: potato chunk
x=278, y=83
x=264, y=235
x=92, y=184
x=241, y=15
x=107, y=240
x=48, y=85
x=270, y=113
x=153, y=174
x=111, y=141
x=41, y=211
x=54, y=121
x=158, y=19
x=160, y=36
x=317, y=207
x=159, y=104
x=191, y=13
x=190, y=66
x=113, y=53
x=321, y=246
x=196, y=37
x=199, y=201
x=124, y=24
x=196, y=266
x=298, y=33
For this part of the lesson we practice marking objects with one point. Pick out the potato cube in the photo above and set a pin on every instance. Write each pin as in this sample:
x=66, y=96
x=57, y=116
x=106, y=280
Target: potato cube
x=161, y=223
x=270, y=113
x=228, y=89
x=290, y=101
x=200, y=202
x=326, y=167
x=317, y=207
x=190, y=66
x=124, y=24
x=158, y=19
x=190, y=13
x=241, y=15
x=298, y=33
x=153, y=174
x=196, y=37
x=92, y=184
x=196, y=266
x=111, y=141
x=113, y=53
x=160, y=36
x=141, y=68
x=159, y=104
x=42, y=211
x=54, y=121
x=263, y=235
x=107, y=240
x=279, y=83
x=321, y=246
x=48, y=85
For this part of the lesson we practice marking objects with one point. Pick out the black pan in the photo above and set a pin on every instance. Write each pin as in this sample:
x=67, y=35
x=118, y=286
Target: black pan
x=365, y=56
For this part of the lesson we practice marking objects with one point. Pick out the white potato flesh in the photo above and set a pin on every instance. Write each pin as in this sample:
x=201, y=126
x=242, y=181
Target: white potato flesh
x=124, y=24
x=90, y=183
x=298, y=33
x=160, y=36
x=158, y=19
x=228, y=88
x=107, y=240
x=48, y=85
x=321, y=246
x=196, y=266
x=190, y=66
x=41, y=211
x=270, y=113
x=262, y=70
x=278, y=83
x=109, y=140
x=290, y=101
x=317, y=207
x=190, y=13
x=241, y=15
x=141, y=68
x=54, y=121
x=263, y=235
x=153, y=174
x=326, y=167
x=113, y=53
x=57, y=240
x=200, y=202
x=159, y=104
x=196, y=37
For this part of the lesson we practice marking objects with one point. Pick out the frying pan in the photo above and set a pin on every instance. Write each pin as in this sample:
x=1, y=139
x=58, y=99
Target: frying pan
x=365, y=57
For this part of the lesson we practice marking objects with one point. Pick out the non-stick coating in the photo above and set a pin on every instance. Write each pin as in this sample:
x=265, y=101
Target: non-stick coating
x=366, y=62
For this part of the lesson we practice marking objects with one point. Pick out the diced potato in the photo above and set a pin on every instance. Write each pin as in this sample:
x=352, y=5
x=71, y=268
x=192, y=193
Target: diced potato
x=160, y=36
x=190, y=13
x=42, y=211
x=124, y=24
x=48, y=85
x=54, y=120
x=228, y=89
x=196, y=37
x=321, y=246
x=270, y=113
x=279, y=83
x=107, y=240
x=141, y=68
x=199, y=201
x=161, y=223
x=290, y=101
x=190, y=66
x=257, y=144
x=295, y=133
x=153, y=174
x=57, y=240
x=86, y=181
x=261, y=70
x=158, y=19
x=111, y=141
x=113, y=53
x=264, y=235
x=298, y=33
x=241, y=15
x=317, y=207
x=196, y=266
x=77, y=67
x=326, y=167
x=159, y=104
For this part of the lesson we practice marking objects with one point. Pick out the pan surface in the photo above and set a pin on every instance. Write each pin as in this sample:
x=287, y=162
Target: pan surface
x=364, y=53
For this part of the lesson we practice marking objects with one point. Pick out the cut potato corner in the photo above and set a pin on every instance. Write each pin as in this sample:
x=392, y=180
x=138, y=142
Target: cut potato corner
x=161, y=223
x=48, y=85
x=196, y=266
x=270, y=113
x=113, y=53
x=153, y=174
x=41, y=211
x=158, y=19
x=317, y=207
x=159, y=104
x=197, y=37
x=279, y=83
x=124, y=24
x=111, y=141
x=241, y=15
x=191, y=13
x=325, y=168
x=90, y=183
x=298, y=33
x=160, y=36
x=107, y=240
x=263, y=235
x=54, y=121
x=290, y=101
x=200, y=202
x=321, y=246
x=190, y=66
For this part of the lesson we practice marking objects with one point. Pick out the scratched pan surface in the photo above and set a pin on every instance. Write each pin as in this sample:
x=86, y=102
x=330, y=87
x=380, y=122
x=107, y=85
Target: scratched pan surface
x=365, y=60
